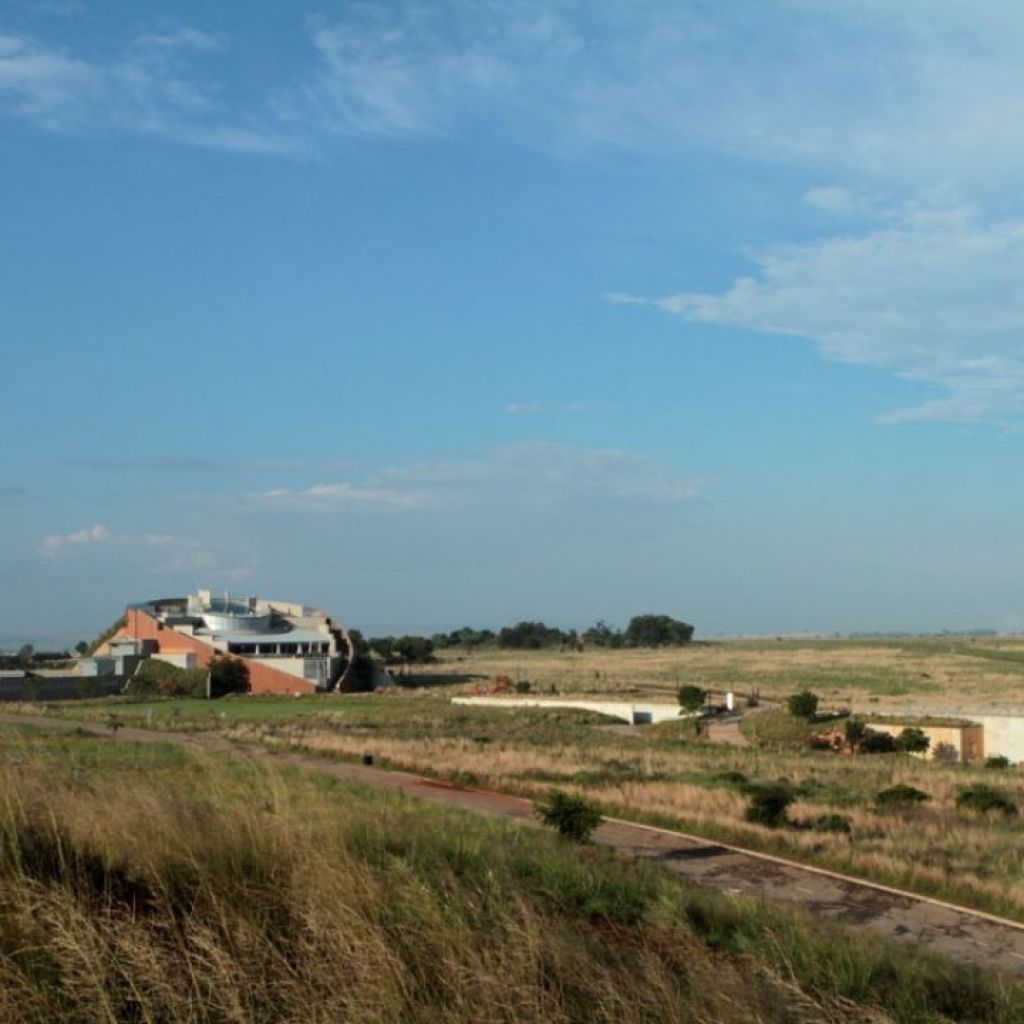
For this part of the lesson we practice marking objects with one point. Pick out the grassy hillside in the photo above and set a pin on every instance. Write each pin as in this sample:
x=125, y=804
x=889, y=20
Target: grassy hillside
x=138, y=883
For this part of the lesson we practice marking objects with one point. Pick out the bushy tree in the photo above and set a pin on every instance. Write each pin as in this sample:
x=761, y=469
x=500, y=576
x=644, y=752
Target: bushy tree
x=997, y=761
x=913, y=740
x=531, y=636
x=877, y=743
x=228, y=675
x=603, y=635
x=854, y=730
x=691, y=698
x=657, y=631
x=572, y=816
x=803, y=704
x=769, y=804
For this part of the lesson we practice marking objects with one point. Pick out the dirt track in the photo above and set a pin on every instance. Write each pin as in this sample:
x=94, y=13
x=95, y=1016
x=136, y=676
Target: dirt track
x=964, y=935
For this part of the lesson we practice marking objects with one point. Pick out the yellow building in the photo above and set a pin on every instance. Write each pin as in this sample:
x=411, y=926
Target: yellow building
x=949, y=740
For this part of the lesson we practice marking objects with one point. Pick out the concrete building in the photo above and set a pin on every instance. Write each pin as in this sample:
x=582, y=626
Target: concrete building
x=287, y=647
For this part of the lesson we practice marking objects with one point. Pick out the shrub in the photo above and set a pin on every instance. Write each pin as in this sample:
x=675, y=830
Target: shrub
x=574, y=817
x=691, y=698
x=912, y=740
x=877, y=743
x=768, y=805
x=854, y=730
x=831, y=823
x=997, y=761
x=984, y=798
x=228, y=675
x=803, y=704
x=899, y=796
x=523, y=686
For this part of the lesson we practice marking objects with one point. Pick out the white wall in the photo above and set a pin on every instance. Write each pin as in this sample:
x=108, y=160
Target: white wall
x=627, y=711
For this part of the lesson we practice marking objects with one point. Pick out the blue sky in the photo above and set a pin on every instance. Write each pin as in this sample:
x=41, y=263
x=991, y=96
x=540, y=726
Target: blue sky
x=461, y=313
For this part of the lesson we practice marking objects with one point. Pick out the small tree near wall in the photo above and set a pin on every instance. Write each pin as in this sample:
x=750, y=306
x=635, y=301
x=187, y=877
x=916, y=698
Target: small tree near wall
x=228, y=675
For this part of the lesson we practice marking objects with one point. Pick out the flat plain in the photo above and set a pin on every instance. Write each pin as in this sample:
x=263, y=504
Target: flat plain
x=667, y=774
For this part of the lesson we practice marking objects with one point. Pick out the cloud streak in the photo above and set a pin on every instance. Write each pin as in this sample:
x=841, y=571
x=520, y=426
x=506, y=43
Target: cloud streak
x=535, y=473
x=148, y=88
x=934, y=295
x=162, y=552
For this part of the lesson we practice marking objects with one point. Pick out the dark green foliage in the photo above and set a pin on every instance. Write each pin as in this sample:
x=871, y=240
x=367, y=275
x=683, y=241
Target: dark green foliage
x=831, y=823
x=409, y=650
x=912, y=740
x=228, y=675
x=877, y=743
x=984, y=798
x=997, y=761
x=466, y=637
x=572, y=816
x=691, y=698
x=657, y=631
x=161, y=679
x=603, y=635
x=803, y=704
x=523, y=686
x=854, y=730
x=533, y=636
x=768, y=804
x=897, y=797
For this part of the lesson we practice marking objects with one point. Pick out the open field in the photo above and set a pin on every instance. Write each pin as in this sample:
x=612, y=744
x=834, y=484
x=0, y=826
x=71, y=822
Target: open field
x=905, y=671
x=664, y=774
x=261, y=894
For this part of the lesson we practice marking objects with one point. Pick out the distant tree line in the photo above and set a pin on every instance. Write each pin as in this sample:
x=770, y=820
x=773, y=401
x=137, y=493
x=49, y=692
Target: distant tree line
x=27, y=657
x=642, y=631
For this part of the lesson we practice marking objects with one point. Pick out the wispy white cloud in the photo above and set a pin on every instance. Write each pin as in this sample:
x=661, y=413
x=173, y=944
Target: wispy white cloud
x=934, y=295
x=146, y=88
x=57, y=542
x=162, y=552
x=535, y=472
x=929, y=91
x=326, y=497
x=545, y=471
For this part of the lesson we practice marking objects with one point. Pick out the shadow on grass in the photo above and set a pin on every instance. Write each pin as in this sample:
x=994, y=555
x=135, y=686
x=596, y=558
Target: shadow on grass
x=428, y=680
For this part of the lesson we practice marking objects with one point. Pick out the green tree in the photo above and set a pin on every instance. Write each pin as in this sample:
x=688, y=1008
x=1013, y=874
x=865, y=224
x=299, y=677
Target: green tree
x=912, y=740
x=803, y=704
x=769, y=804
x=691, y=698
x=572, y=816
x=657, y=631
x=854, y=730
x=228, y=675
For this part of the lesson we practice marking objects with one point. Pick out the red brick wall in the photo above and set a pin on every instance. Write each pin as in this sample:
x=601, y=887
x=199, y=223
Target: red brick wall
x=262, y=677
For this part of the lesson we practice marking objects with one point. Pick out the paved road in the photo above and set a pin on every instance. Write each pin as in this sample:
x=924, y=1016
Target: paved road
x=964, y=935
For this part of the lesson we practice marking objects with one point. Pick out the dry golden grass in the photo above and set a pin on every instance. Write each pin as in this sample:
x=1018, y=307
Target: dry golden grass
x=908, y=672
x=135, y=887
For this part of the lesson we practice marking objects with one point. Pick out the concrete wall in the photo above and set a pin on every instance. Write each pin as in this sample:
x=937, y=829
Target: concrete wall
x=636, y=714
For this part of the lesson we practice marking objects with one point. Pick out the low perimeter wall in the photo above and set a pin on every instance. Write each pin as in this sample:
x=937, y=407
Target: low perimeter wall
x=60, y=688
x=635, y=714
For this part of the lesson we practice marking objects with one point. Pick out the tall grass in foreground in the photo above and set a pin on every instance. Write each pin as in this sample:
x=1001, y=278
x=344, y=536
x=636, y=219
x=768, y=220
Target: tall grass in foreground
x=167, y=890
